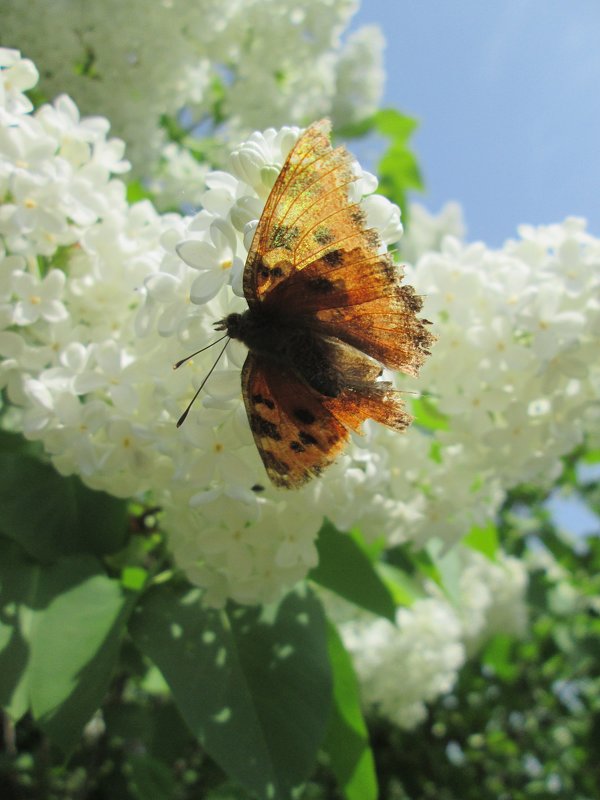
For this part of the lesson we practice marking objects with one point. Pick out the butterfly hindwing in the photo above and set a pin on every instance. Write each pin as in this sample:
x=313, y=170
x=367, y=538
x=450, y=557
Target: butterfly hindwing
x=357, y=296
x=299, y=432
x=377, y=401
x=295, y=434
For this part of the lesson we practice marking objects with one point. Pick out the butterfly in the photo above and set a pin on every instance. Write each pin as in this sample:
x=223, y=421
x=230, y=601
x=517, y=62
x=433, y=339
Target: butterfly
x=326, y=309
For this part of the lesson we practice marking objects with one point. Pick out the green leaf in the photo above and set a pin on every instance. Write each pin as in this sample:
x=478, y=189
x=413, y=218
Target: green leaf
x=414, y=564
x=137, y=192
x=427, y=416
x=134, y=578
x=449, y=567
x=50, y=515
x=372, y=548
x=498, y=654
x=61, y=628
x=399, y=171
x=591, y=457
x=345, y=569
x=253, y=685
x=174, y=130
x=150, y=778
x=398, y=168
x=355, y=130
x=101, y=520
x=157, y=726
x=15, y=443
x=403, y=588
x=484, y=540
x=392, y=123
x=347, y=742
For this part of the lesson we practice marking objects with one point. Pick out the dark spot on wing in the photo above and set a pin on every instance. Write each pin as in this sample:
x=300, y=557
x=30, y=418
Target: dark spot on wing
x=412, y=300
x=357, y=216
x=323, y=236
x=261, y=268
x=265, y=401
x=262, y=427
x=372, y=238
x=307, y=438
x=320, y=285
x=284, y=236
x=334, y=258
x=277, y=272
x=304, y=415
x=257, y=488
x=296, y=447
x=389, y=269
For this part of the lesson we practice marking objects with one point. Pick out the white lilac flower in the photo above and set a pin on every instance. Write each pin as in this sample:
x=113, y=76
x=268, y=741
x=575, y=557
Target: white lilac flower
x=426, y=231
x=17, y=75
x=178, y=179
x=214, y=258
x=491, y=596
x=384, y=216
x=261, y=62
x=360, y=76
x=514, y=353
x=405, y=665
x=38, y=299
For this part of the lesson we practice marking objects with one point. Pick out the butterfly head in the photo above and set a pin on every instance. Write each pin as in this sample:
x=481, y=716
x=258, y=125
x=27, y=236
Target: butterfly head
x=232, y=324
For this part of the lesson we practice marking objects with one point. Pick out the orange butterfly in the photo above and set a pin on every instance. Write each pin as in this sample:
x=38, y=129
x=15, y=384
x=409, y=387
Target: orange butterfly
x=325, y=310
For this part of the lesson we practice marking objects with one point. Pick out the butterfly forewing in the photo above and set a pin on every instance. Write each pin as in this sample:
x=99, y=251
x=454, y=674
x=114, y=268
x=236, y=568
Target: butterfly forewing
x=311, y=189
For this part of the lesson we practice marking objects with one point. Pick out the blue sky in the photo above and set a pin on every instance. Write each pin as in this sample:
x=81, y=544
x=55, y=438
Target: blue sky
x=508, y=98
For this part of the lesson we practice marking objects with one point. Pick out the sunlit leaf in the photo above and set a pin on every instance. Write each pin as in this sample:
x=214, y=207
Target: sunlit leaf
x=347, y=742
x=253, y=685
x=61, y=628
x=345, y=569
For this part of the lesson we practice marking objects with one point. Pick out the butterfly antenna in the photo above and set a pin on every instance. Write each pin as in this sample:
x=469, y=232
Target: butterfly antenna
x=202, y=349
x=181, y=419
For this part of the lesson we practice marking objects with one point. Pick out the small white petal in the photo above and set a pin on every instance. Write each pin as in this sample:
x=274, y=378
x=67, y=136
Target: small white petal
x=196, y=254
x=25, y=314
x=24, y=284
x=53, y=284
x=124, y=397
x=206, y=286
x=203, y=498
x=54, y=311
x=236, y=277
x=88, y=382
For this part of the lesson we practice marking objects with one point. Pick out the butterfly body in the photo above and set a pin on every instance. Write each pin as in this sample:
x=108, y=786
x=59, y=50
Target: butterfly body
x=326, y=310
x=290, y=343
